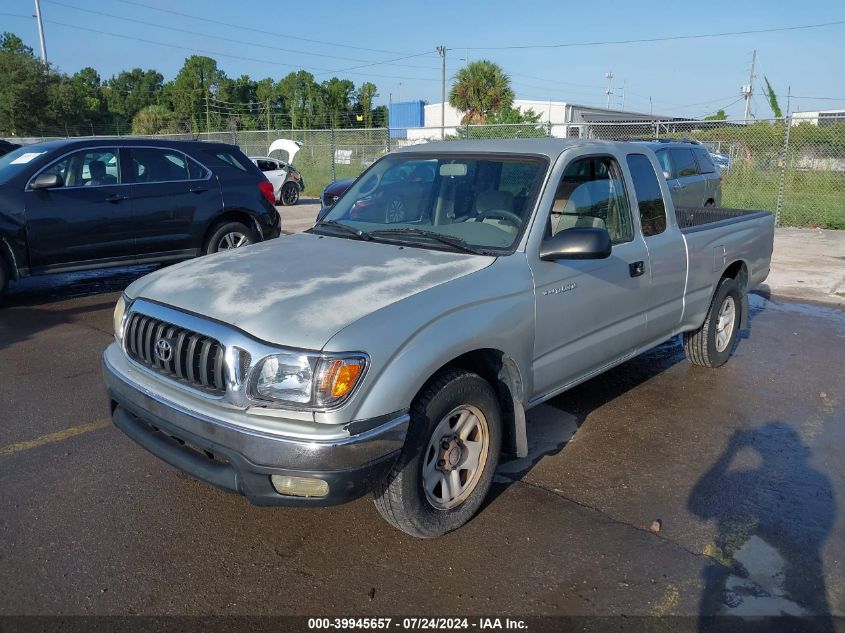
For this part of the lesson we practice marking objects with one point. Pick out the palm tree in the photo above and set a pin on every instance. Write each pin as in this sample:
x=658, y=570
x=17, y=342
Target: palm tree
x=481, y=88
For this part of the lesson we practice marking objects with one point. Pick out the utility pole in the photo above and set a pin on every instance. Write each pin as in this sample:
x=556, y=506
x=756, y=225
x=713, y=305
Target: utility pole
x=623, y=94
x=748, y=89
x=442, y=51
x=40, y=31
x=609, y=91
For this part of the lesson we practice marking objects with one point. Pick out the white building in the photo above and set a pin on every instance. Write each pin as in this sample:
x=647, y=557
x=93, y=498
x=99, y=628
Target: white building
x=565, y=118
x=818, y=117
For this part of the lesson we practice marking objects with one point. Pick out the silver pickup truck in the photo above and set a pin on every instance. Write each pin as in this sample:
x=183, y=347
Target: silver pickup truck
x=396, y=347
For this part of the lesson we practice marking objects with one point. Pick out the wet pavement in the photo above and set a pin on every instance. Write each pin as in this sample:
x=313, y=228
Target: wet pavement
x=657, y=488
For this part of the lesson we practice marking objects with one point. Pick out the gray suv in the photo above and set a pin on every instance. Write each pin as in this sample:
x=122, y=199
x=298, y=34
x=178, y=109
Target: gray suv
x=694, y=181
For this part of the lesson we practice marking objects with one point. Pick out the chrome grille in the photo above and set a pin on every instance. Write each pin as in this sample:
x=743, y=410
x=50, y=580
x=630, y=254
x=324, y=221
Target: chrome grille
x=194, y=359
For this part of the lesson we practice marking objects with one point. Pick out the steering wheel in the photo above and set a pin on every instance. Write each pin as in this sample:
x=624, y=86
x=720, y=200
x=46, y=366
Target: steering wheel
x=500, y=214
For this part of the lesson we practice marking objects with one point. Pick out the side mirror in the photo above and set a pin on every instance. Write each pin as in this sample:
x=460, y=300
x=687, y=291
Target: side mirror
x=667, y=175
x=577, y=243
x=47, y=181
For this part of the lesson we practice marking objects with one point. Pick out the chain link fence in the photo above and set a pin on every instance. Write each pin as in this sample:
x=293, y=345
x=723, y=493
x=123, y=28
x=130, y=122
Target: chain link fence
x=794, y=167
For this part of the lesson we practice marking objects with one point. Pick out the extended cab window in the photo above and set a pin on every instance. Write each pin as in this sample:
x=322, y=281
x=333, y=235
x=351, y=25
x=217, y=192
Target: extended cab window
x=88, y=168
x=590, y=194
x=683, y=162
x=649, y=196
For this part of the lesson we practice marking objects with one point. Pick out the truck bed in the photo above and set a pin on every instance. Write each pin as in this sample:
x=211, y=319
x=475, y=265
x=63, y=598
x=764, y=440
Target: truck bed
x=715, y=238
x=691, y=219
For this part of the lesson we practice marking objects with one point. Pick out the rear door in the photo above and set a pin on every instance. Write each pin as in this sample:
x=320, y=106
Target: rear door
x=688, y=186
x=86, y=220
x=667, y=255
x=169, y=192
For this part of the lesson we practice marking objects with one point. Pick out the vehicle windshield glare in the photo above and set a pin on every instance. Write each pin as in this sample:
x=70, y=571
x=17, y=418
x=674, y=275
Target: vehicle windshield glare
x=483, y=202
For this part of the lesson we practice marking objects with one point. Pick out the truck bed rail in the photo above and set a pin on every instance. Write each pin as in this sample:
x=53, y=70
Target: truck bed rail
x=697, y=218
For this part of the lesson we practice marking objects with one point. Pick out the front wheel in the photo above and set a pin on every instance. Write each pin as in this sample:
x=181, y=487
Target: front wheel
x=450, y=455
x=713, y=343
x=229, y=235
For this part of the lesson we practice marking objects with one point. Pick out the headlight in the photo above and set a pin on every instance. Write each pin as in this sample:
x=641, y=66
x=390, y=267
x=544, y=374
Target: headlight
x=304, y=380
x=119, y=311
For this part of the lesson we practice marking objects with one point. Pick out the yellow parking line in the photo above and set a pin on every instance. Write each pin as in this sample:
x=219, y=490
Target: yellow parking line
x=50, y=438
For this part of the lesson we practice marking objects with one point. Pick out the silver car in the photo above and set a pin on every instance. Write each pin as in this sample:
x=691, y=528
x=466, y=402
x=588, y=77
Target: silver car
x=694, y=181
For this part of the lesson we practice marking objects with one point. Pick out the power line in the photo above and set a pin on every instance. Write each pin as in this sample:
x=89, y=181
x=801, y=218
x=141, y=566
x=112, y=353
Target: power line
x=214, y=53
x=254, y=30
x=657, y=39
x=242, y=42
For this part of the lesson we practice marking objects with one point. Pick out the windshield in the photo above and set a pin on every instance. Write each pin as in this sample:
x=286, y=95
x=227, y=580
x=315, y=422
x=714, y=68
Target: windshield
x=447, y=202
x=17, y=160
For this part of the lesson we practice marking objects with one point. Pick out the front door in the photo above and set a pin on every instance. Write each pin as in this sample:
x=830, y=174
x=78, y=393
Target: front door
x=589, y=313
x=169, y=191
x=87, y=219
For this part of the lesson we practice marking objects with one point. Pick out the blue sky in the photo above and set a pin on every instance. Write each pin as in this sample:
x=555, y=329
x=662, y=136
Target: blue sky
x=686, y=77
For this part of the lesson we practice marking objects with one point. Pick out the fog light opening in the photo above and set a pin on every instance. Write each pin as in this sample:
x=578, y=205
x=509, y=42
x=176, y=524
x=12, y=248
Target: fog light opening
x=299, y=486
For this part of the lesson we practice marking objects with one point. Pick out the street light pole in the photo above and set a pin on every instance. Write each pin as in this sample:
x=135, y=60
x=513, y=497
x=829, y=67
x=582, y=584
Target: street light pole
x=40, y=31
x=442, y=51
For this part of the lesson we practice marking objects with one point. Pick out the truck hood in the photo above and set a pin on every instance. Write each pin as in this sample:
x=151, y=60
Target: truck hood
x=300, y=290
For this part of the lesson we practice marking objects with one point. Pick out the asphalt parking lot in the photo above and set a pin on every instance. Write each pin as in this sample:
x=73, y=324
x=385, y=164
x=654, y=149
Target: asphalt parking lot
x=657, y=488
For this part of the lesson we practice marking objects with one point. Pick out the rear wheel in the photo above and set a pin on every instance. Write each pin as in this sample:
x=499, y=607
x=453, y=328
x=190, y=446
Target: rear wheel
x=450, y=455
x=290, y=194
x=713, y=343
x=229, y=235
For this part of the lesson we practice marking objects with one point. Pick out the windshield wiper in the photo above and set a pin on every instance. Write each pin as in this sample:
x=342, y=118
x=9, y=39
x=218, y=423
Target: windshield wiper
x=454, y=242
x=362, y=235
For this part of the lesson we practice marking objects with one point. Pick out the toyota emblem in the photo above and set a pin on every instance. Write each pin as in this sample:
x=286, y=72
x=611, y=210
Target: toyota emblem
x=164, y=350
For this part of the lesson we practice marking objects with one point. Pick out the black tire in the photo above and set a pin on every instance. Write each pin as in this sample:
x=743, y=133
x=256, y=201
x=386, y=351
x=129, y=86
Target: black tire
x=289, y=194
x=700, y=346
x=222, y=234
x=709, y=203
x=400, y=497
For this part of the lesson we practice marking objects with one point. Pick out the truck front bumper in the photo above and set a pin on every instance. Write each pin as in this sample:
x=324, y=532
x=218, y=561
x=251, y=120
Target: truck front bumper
x=243, y=460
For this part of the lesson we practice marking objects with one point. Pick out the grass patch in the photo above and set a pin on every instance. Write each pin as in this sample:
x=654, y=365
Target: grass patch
x=810, y=198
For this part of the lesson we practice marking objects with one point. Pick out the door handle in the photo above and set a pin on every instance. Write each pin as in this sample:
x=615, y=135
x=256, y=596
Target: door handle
x=115, y=197
x=198, y=189
x=636, y=268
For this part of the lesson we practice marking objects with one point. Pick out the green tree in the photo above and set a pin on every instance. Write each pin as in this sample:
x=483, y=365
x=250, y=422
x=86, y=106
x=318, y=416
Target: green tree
x=192, y=90
x=24, y=82
x=773, y=98
x=364, y=102
x=299, y=91
x=86, y=85
x=480, y=90
x=154, y=119
x=719, y=116
x=130, y=91
x=338, y=97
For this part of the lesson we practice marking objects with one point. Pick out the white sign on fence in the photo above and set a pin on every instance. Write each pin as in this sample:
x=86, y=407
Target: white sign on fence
x=343, y=156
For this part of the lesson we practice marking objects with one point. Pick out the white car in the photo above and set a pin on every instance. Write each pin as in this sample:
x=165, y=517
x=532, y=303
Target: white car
x=286, y=180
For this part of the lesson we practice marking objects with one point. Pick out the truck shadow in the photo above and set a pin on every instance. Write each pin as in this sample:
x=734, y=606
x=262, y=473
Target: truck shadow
x=36, y=304
x=552, y=424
